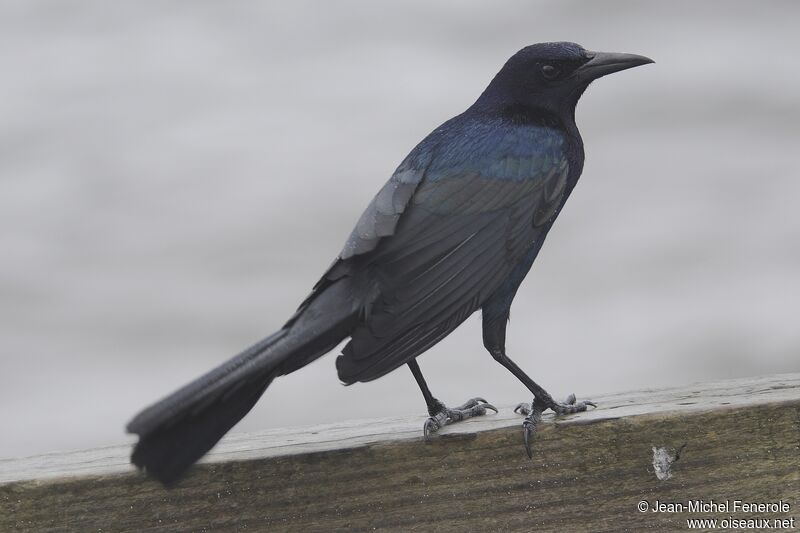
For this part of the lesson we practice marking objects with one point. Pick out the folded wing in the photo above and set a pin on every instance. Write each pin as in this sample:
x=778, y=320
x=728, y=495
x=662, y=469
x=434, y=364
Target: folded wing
x=436, y=245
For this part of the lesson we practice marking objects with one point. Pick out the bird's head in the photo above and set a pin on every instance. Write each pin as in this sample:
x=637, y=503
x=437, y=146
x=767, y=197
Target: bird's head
x=550, y=77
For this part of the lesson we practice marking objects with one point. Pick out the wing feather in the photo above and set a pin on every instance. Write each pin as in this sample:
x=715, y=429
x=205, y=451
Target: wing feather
x=437, y=244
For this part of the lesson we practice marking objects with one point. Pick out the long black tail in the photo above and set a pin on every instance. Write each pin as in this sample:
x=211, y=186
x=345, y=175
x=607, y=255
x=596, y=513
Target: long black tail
x=178, y=430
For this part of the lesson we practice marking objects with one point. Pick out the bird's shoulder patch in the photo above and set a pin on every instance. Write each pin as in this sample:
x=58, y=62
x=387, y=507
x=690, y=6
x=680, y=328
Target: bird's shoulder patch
x=452, y=171
x=526, y=164
x=381, y=215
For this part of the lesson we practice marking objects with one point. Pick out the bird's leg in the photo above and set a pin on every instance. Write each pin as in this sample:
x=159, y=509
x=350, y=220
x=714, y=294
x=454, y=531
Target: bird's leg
x=541, y=401
x=494, y=336
x=541, y=396
x=440, y=414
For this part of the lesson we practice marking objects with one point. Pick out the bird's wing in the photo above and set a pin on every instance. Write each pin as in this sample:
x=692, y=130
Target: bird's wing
x=436, y=256
x=381, y=216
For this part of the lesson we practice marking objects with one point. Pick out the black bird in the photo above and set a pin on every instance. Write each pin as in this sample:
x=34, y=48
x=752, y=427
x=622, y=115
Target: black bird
x=455, y=229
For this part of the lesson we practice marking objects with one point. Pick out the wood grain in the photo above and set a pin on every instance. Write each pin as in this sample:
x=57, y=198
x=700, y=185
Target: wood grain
x=588, y=473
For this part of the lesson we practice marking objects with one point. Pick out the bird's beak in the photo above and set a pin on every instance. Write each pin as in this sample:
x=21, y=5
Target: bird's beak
x=603, y=63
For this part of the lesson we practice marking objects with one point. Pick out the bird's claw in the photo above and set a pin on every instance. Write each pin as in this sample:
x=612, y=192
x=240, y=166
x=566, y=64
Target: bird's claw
x=528, y=428
x=533, y=415
x=475, y=402
x=429, y=427
x=570, y=406
x=523, y=409
x=531, y=422
x=445, y=416
x=526, y=436
x=487, y=405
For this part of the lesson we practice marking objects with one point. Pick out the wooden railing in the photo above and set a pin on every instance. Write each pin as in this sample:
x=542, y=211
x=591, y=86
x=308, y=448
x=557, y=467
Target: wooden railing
x=590, y=472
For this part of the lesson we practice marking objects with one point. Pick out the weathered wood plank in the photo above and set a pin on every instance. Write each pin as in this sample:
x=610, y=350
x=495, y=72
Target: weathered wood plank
x=588, y=473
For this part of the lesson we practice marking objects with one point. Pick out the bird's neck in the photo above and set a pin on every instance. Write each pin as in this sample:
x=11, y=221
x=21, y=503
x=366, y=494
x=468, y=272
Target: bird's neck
x=495, y=103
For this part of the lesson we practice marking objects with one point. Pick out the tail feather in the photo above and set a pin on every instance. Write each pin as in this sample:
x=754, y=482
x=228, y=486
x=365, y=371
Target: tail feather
x=178, y=430
x=205, y=390
x=168, y=452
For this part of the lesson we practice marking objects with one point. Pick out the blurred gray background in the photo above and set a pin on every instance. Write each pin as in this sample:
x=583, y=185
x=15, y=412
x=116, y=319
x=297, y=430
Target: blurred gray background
x=175, y=177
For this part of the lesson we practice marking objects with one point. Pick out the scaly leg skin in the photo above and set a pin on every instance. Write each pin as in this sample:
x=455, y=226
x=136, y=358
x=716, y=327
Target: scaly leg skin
x=533, y=414
x=441, y=415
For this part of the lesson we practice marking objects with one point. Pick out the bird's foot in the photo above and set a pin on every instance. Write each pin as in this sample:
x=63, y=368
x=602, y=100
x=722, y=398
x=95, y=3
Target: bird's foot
x=569, y=406
x=442, y=415
x=533, y=414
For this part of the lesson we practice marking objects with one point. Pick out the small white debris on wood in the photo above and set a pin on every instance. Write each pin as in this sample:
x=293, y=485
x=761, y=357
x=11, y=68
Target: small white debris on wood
x=663, y=461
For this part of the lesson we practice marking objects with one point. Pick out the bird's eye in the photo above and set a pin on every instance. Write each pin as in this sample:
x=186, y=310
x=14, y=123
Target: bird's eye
x=550, y=72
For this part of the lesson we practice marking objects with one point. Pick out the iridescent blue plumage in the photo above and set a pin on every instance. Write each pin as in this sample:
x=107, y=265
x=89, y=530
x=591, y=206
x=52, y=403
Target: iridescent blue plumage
x=455, y=226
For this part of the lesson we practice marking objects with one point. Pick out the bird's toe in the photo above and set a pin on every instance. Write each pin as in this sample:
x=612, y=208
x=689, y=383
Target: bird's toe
x=523, y=408
x=446, y=416
x=568, y=408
